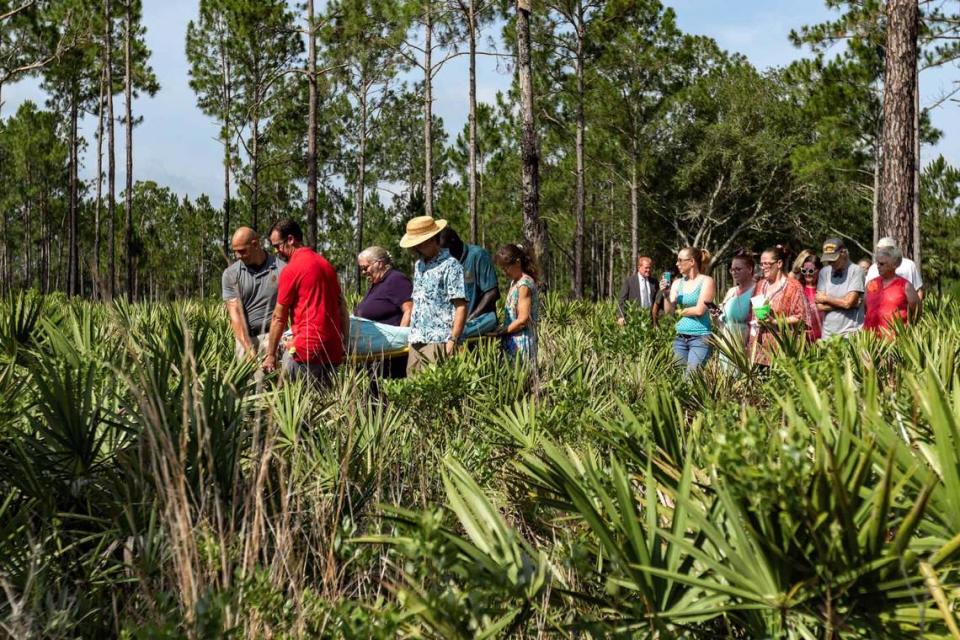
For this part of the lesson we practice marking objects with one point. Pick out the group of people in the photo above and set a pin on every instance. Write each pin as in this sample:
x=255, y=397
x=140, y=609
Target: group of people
x=453, y=283
x=822, y=296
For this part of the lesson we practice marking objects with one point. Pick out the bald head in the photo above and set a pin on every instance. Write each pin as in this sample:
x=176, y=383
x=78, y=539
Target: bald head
x=246, y=246
x=244, y=235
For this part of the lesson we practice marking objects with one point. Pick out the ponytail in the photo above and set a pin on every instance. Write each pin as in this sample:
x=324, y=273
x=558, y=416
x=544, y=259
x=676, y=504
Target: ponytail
x=700, y=256
x=513, y=253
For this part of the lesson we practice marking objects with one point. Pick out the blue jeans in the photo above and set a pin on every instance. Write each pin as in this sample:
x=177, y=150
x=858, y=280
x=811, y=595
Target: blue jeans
x=691, y=351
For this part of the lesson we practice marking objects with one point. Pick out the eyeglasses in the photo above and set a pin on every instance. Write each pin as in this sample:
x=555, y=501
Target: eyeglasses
x=808, y=272
x=679, y=259
x=767, y=264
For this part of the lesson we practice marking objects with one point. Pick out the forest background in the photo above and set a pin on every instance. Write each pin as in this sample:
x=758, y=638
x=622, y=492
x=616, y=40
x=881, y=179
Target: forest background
x=650, y=138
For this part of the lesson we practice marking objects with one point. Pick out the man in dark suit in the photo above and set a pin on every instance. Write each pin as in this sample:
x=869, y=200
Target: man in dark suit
x=638, y=288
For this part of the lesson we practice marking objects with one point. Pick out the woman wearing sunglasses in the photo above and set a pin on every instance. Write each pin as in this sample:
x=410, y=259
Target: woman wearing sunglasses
x=809, y=274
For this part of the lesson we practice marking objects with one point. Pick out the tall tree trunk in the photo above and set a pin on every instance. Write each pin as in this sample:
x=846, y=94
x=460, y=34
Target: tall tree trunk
x=472, y=119
x=580, y=204
x=634, y=206
x=255, y=171
x=877, y=167
x=916, y=171
x=534, y=229
x=311, y=203
x=361, y=176
x=111, y=155
x=899, y=160
x=72, y=253
x=97, y=276
x=227, y=163
x=428, y=109
x=45, y=233
x=128, y=106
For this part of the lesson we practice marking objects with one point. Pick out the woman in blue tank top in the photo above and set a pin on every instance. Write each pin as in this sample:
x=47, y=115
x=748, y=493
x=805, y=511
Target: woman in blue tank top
x=689, y=298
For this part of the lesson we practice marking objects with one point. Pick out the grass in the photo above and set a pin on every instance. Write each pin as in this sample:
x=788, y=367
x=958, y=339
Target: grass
x=152, y=489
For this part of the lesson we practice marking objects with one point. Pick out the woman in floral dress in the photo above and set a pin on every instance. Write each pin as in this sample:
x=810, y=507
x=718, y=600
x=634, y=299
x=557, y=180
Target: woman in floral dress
x=519, y=330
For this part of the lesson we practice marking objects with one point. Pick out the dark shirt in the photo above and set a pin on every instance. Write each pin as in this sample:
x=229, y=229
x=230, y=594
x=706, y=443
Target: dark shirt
x=383, y=302
x=479, y=276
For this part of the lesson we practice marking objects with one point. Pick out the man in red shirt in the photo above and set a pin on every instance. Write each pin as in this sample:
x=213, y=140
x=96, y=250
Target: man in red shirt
x=309, y=295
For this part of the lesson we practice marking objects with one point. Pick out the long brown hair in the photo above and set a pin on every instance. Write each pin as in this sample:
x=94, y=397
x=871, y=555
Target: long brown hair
x=513, y=253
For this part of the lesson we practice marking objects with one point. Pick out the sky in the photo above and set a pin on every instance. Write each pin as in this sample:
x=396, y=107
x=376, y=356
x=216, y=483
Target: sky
x=176, y=145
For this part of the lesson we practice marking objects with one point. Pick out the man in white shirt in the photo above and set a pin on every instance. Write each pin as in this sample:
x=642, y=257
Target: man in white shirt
x=907, y=269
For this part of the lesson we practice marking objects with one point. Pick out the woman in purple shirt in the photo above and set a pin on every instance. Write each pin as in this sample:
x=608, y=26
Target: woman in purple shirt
x=388, y=299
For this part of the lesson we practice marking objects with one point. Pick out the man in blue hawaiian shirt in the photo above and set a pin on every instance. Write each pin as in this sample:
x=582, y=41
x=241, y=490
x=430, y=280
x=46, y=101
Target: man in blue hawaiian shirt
x=439, y=312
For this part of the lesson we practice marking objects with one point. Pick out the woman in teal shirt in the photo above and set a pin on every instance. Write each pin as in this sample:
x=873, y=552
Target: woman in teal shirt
x=736, y=304
x=689, y=297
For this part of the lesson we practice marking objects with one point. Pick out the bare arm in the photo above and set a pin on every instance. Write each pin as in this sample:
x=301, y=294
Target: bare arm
x=344, y=323
x=407, y=308
x=707, y=292
x=913, y=301
x=524, y=304
x=459, y=322
x=486, y=303
x=829, y=303
x=238, y=323
x=670, y=299
x=277, y=325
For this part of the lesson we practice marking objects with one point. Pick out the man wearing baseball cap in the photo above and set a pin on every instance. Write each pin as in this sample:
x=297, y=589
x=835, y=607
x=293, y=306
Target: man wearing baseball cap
x=839, y=291
x=439, y=312
x=907, y=268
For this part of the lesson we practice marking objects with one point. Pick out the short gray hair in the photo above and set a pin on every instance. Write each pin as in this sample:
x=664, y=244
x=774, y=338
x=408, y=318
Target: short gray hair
x=376, y=254
x=893, y=253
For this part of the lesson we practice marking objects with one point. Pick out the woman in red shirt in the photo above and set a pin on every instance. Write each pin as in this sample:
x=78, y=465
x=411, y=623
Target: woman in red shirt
x=809, y=274
x=889, y=296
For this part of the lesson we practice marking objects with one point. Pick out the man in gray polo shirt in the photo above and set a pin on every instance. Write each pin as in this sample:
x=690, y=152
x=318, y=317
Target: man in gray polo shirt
x=839, y=291
x=250, y=292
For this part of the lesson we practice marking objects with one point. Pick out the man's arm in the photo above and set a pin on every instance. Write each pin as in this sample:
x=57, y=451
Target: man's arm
x=828, y=303
x=621, y=304
x=459, y=322
x=238, y=323
x=344, y=322
x=278, y=323
x=487, y=302
x=407, y=308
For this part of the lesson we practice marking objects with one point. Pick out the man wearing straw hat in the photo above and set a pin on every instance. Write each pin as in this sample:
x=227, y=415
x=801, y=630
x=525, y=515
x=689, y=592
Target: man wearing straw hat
x=439, y=301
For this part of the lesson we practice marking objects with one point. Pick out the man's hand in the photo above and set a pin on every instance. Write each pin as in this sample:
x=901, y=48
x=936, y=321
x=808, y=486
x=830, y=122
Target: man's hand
x=250, y=353
x=622, y=322
x=451, y=347
x=270, y=363
x=821, y=298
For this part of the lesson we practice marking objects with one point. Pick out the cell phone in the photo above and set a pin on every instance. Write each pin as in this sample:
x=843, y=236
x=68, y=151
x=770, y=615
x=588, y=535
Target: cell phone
x=667, y=277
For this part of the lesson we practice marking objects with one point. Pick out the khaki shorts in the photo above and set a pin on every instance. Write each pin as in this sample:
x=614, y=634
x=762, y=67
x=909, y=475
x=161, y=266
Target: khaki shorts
x=422, y=355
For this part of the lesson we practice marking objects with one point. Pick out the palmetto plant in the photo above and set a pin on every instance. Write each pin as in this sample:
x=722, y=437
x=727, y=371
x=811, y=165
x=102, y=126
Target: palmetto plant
x=151, y=487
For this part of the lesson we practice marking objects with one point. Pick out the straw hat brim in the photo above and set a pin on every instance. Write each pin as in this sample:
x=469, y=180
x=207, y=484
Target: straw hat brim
x=411, y=240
